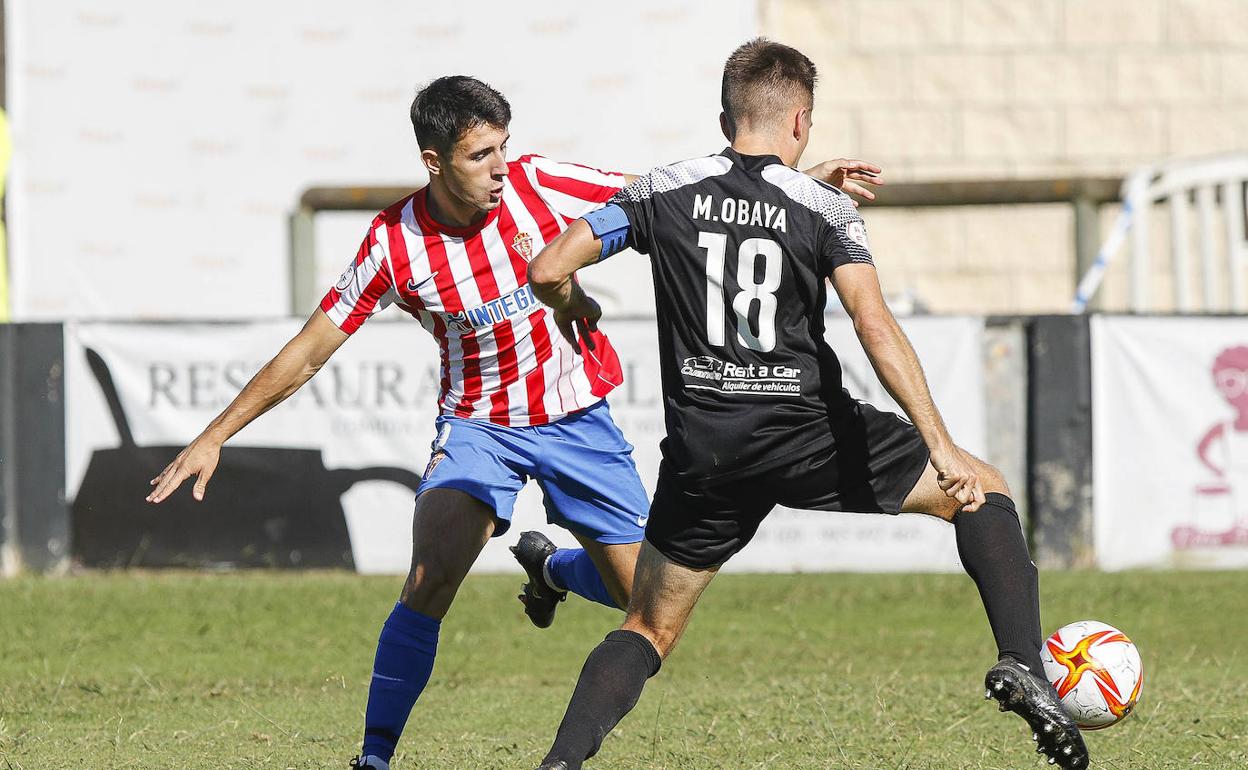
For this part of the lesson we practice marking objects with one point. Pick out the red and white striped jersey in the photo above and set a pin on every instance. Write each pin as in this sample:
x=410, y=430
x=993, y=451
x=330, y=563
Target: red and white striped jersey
x=503, y=358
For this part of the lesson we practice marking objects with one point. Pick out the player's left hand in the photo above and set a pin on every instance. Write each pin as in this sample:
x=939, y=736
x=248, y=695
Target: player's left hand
x=845, y=174
x=579, y=317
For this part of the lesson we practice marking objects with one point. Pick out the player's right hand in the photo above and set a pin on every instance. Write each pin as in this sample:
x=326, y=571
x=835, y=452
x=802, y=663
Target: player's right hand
x=955, y=473
x=199, y=459
x=580, y=317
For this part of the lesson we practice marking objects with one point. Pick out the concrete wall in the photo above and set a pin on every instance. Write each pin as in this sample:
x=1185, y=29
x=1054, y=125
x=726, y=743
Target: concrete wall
x=937, y=89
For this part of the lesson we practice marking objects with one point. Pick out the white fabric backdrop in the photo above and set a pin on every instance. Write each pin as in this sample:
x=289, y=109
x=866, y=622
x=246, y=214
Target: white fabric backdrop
x=1155, y=402
x=160, y=146
x=373, y=405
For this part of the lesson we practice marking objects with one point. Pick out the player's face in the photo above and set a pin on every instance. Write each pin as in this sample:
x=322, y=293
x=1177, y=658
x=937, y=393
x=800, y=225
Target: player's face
x=477, y=166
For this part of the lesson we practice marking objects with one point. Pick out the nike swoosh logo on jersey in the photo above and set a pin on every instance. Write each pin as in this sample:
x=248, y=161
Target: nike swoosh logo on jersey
x=413, y=287
x=641, y=520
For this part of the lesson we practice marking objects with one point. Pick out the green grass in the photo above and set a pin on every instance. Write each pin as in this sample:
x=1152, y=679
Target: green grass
x=265, y=670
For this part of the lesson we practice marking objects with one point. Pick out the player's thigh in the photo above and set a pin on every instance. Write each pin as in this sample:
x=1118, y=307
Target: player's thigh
x=873, y=464
x=664, y=594
x=616, y=563
x=481, y=460
x=703, y=527
x=589, y=480
x=927, y=496
x=449, y=529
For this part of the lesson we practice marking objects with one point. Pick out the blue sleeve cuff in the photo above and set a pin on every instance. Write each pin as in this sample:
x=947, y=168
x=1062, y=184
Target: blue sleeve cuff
x=610, y=225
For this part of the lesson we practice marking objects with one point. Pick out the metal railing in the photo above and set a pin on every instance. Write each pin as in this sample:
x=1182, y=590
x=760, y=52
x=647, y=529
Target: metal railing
x=1183, y=184
x=1085, y=196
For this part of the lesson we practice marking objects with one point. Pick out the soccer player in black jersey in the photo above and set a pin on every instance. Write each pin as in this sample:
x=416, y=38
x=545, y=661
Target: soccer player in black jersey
x=741, y=246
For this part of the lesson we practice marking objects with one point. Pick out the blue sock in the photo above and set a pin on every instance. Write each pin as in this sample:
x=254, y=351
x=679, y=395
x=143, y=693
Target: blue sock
x=573, y=570
x=405, y=652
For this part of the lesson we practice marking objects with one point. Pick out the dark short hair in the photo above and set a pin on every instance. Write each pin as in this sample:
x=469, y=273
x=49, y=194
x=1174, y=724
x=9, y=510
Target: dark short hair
x=762, y=78
x=450, y=106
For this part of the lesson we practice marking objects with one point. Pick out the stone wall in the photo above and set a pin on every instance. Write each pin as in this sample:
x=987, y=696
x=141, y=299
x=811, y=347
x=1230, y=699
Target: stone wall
x=939, y=89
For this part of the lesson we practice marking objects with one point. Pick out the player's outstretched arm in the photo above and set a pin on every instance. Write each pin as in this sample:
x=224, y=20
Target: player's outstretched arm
x=552, y=274
x=898, y=368
x=294, y=365
x=846, y=173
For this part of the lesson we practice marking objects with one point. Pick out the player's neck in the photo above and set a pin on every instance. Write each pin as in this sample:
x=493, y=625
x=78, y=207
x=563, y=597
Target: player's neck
x=448, y=210
x=762, y=144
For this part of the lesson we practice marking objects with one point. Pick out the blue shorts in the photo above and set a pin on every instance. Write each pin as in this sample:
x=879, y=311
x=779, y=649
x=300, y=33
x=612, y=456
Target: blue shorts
x=582, y=463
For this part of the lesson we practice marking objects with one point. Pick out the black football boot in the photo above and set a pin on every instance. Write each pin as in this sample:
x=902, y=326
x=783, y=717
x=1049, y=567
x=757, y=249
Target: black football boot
x=1034, y=699
x=539, y=598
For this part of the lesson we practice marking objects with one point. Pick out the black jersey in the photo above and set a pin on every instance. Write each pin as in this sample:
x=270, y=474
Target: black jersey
x=740, y=247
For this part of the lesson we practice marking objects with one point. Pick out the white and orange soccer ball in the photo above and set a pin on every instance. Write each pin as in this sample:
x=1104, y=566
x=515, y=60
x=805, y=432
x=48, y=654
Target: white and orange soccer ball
x=1096, y=670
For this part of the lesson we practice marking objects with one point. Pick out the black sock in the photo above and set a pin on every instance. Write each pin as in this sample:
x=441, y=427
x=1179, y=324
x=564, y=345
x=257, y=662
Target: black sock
x=609, y=687
x=994, y=553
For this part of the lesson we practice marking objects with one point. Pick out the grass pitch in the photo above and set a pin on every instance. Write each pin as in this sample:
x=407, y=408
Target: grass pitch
x=265, y=670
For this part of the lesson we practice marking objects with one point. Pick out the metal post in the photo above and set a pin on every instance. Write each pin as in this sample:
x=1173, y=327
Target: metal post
x=1141, y=262
x=38, y=453
x=9, y=554
x=302, y=262
x=1233, y=205
x=1180, y=257
x=1059, y=440
x=1206, y=204
x=1087, y=240
x=1005, y=385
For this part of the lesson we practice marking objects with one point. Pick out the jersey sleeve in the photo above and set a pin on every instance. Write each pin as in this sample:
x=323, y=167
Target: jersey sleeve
x=364, y=288
x=844, y=240
x=570, y=189
x=635, y=201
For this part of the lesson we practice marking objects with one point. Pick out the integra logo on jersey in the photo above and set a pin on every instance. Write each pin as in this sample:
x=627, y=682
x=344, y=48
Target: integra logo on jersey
x=739, y=211
x=519, y=302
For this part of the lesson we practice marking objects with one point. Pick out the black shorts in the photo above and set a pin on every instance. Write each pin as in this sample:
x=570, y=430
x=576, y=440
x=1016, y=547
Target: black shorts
x=876, y=460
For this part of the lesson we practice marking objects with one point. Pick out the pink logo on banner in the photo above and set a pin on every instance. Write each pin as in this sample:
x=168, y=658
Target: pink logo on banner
x=1219, y=516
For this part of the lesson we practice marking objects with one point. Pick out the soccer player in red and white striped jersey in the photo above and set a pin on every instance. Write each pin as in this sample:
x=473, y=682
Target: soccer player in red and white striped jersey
x=503, y=359
x=518, y=400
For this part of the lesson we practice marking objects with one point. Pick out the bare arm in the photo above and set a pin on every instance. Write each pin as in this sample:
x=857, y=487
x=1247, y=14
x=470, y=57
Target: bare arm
x=552, y=275
x=294, y=365
x=898, y=368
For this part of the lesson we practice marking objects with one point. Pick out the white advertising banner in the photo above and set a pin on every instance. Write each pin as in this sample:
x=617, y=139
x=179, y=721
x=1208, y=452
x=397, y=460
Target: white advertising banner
x=1170, y=442
x=359, y=433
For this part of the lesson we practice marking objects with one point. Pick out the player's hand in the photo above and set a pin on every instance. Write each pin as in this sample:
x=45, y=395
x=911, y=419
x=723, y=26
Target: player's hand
x=199, y=459
x=580, y=317
x=955, y=473
x=845, y=174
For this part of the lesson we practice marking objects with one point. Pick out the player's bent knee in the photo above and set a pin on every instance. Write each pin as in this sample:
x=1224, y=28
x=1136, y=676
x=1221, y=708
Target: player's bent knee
x=429, y=591
x=663, y=639
x=991, y=480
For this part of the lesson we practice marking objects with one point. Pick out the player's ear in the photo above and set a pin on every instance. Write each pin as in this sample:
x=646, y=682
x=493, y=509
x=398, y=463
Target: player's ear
x=800, y=125
x=432, y=161
x=725, y=125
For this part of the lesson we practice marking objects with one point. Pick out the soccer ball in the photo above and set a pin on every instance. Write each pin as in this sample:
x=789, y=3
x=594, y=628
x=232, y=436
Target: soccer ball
x=1096, y=670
